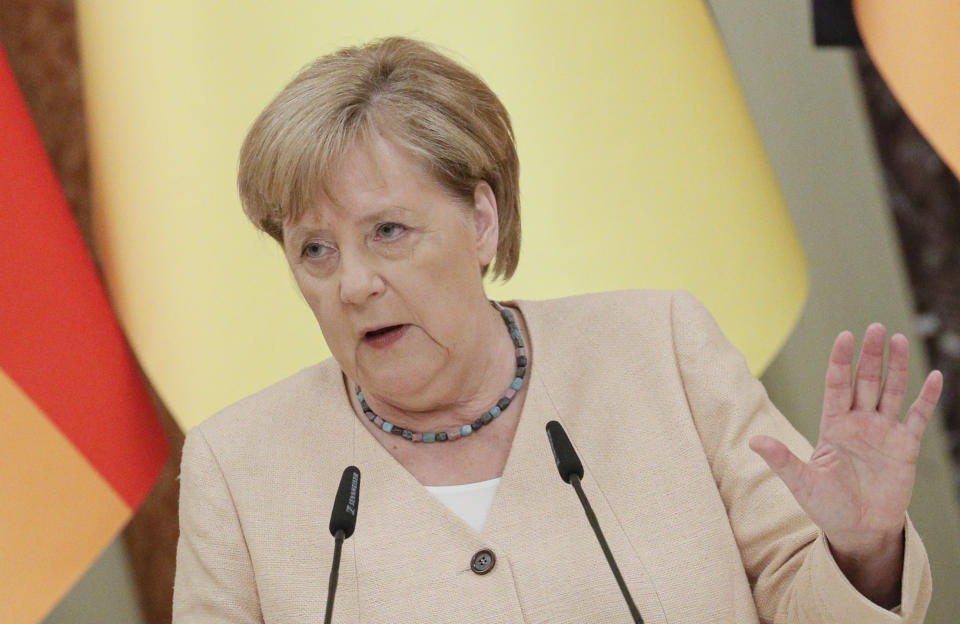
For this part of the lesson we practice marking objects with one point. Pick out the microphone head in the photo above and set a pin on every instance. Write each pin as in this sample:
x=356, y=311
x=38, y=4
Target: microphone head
x=567, y=461
x=344, y=514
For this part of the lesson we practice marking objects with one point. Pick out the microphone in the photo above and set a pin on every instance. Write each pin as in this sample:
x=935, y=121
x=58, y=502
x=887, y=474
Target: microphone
x=571, y=471
x=567, y=461
x=343, y=520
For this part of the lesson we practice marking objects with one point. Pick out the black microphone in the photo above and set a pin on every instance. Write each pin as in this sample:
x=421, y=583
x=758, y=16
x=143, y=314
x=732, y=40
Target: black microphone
x=343, y=520
x=567, y=461
x=571, y=471
x=344, y=515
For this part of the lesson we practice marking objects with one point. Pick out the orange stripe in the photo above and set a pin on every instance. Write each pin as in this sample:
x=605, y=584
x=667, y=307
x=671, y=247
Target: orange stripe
x=56, y=512
x=915, y=46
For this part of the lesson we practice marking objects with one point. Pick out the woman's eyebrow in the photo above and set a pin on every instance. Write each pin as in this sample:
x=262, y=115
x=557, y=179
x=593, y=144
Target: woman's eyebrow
x=390, y=212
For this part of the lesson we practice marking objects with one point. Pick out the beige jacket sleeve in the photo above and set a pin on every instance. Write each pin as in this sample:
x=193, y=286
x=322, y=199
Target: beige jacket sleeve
x=789, y=565
x=214, y=580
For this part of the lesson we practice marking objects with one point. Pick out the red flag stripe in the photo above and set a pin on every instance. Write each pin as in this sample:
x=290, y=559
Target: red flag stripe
x=59, y=340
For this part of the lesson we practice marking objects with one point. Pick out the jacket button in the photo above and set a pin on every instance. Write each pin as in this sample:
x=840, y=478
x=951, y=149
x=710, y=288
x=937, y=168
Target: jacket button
x=483, y=561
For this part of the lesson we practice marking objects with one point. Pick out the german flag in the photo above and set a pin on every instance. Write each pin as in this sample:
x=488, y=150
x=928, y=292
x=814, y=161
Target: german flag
x=80, y=443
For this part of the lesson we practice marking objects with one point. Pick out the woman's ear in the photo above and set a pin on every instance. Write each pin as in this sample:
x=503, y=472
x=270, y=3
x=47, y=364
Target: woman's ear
x=486, y=222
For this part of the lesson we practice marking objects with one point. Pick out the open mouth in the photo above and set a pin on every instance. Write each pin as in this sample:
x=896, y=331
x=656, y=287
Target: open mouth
x=382, y=331
x=385, y=336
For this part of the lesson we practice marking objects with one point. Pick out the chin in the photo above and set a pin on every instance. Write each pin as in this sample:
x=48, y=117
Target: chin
x=403, y=381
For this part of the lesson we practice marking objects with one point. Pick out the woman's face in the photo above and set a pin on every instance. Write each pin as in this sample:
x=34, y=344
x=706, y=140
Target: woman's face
x=389, y=262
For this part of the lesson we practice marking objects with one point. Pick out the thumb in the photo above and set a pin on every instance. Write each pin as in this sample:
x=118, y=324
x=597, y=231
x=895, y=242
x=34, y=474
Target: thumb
x=781, y=460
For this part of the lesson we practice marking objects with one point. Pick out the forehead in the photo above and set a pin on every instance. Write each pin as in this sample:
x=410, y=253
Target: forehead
x=373, y=177
x=374, y=169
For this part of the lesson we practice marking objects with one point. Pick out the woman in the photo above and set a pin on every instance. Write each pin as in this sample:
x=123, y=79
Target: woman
x=388, y=175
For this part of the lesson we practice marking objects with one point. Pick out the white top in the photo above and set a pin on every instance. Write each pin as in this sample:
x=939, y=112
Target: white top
x=470, y=501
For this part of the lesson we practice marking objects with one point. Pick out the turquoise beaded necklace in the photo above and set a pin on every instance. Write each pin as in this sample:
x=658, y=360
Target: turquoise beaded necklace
x=486, y=418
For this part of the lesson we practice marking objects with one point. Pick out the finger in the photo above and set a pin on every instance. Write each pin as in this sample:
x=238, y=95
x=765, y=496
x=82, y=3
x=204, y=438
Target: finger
x=837, y=392
x=922, y=409
x=895, y=385
x=866, y=385
x=781, y=460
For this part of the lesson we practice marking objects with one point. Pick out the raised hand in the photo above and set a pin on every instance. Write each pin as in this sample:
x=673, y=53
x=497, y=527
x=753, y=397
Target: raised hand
x=857, y=484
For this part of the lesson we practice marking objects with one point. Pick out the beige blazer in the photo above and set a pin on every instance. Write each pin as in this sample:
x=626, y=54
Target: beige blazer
x=659, y=406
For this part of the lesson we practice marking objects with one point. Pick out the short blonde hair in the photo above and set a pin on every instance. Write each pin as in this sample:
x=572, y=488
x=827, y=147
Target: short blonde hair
x=429, y=104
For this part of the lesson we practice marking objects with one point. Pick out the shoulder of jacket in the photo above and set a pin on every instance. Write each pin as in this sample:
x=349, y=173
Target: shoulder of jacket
x=604, y=302
x=595, y=311
x=614, y=323
x=293, y=397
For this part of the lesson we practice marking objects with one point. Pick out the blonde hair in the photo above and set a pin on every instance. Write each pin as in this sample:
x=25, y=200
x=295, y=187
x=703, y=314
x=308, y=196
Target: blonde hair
x=429, y=104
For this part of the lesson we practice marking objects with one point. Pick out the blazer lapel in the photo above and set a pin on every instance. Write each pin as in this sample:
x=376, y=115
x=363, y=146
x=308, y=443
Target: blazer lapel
x=412, y=555
x=537, y=516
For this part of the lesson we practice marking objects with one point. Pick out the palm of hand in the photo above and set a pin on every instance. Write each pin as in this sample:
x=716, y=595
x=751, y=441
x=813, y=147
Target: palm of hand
x=857, y=484
x=859, y=478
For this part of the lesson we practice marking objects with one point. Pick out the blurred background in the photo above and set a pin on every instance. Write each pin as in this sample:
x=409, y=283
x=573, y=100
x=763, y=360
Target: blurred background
x=876, y=210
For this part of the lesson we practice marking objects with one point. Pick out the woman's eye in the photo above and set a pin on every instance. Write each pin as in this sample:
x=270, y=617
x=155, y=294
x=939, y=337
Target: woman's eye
x=390, y=230
x=316, y=250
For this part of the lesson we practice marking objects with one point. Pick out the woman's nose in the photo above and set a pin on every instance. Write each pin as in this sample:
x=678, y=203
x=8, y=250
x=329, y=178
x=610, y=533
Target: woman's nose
x=359, y=278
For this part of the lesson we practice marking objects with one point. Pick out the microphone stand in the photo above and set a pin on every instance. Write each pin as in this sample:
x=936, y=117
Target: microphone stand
x=334, y=576
x=592, y=519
